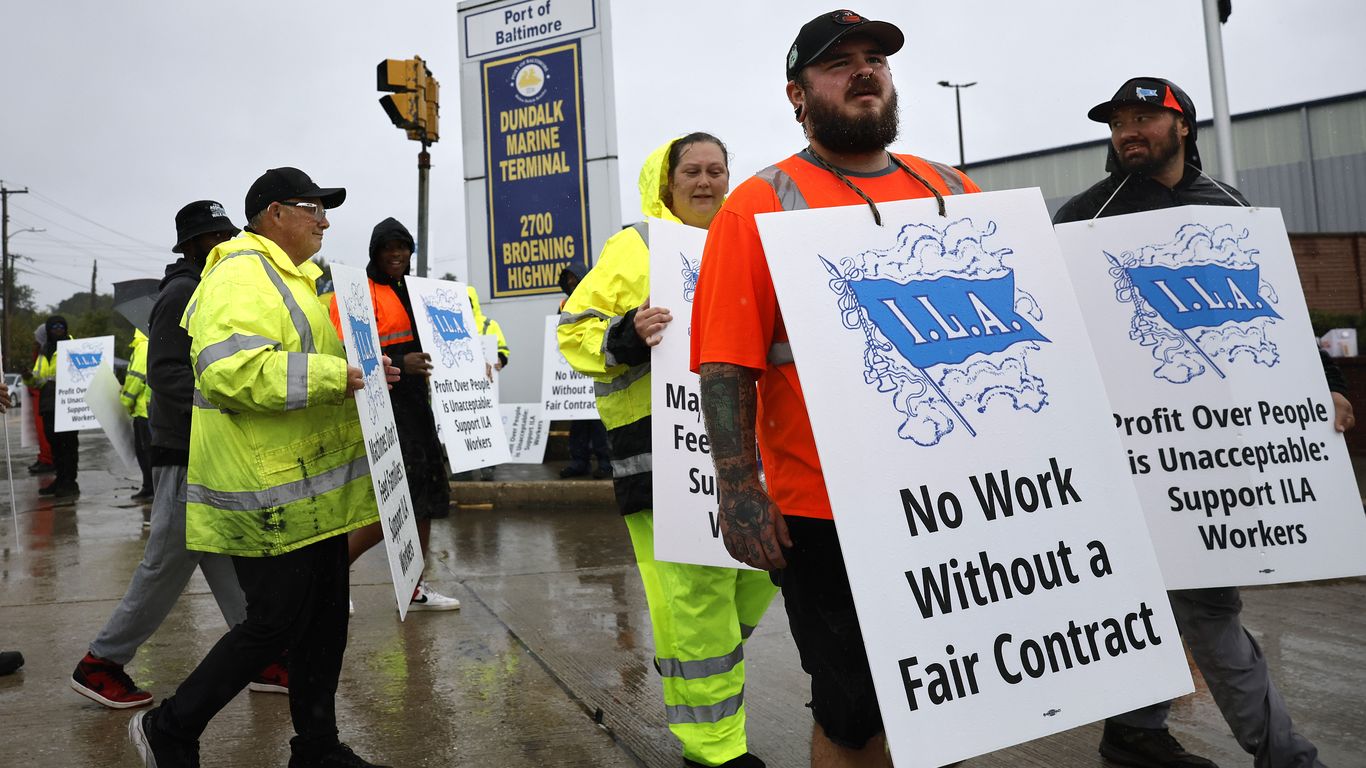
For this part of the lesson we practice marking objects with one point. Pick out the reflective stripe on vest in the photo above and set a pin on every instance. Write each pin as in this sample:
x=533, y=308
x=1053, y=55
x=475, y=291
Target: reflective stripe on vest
x=228, y=347
x=633, y=465
x=951, y=178
x=643, y=230
x=696, y=670
x=790, y=198
x=631, y=376
x=280, y=495
x=680, y=713
x=296, y=312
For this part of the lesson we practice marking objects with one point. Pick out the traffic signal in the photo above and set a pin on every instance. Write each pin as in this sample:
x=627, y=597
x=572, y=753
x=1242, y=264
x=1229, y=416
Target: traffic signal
x=412, y=104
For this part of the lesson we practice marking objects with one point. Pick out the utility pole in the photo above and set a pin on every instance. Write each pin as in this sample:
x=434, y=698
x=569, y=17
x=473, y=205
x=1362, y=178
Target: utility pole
x=424, y=165
x=6, y=269
x=94, y=270
x=958, y=102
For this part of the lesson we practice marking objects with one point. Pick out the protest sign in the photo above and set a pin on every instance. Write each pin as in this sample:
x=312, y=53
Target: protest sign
x=1001, y=568
x=527, y=432
x=1199, y=324
x=102, y=397
x=566, y=394
x=686, y=530
x=382, y=445
x=77, y=361
x=464, y=398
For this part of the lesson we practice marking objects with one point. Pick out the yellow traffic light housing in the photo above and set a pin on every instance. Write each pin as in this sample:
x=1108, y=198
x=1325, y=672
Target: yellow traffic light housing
x=413, y=104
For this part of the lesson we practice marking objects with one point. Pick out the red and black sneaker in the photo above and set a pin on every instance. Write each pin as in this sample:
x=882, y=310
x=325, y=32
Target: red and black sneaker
x=104, y=681
x=273, y=679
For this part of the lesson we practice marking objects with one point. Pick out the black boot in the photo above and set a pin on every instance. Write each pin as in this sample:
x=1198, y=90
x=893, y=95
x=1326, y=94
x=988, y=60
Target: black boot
x=1147, y=748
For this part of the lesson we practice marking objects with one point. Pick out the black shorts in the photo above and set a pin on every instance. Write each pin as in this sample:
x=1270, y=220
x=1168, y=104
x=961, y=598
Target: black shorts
x=820, y=610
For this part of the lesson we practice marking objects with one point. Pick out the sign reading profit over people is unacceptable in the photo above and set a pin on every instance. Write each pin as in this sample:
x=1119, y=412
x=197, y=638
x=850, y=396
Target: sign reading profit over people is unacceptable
x=387, y=475
x=1199, y=324
x=534, y=164
x=77, y=362
x=686, y=529
x=464, y=398
x=1000, y=564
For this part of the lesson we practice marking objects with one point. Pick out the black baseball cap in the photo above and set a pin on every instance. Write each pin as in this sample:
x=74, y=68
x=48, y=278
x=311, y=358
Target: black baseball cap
x=198, y=218
x=827, y=29
x=284, y=183
x=1146, y=90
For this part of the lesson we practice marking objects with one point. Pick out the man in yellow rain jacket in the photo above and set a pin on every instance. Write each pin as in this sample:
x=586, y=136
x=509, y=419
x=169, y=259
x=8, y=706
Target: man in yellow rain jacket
x=278, y=473
x=700, y=614
x=135, y=396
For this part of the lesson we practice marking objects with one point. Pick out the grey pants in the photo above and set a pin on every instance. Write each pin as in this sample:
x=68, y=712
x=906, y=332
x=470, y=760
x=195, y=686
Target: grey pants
x=1238, y=678
x=165, y=569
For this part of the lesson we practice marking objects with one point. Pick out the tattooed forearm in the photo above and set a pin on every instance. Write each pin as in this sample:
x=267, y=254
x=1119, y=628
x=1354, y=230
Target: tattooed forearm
x=729, y=405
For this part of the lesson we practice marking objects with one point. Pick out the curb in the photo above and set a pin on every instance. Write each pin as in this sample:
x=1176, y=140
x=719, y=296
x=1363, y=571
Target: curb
x=539, y=493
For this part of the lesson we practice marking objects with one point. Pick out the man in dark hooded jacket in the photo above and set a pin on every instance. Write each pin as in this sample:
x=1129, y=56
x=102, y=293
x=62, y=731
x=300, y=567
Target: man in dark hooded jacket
x=391, y=256
x=586, y=438
x=1153, y=163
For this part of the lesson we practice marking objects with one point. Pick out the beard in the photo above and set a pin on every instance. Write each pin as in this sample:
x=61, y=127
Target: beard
x=1159, y=155
x=868, y=132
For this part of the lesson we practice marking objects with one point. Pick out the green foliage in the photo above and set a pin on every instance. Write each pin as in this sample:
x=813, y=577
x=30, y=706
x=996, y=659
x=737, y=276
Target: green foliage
x=1323, y=322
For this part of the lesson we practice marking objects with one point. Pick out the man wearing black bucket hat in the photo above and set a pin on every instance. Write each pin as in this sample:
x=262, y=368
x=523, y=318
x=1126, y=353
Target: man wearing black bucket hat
x=1154, y=163
x=277, y=474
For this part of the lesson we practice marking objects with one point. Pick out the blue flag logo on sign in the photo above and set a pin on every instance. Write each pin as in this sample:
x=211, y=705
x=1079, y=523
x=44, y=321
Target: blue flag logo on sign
x=365, y=345
x=357, y=306
x=82, y=361
x=448, y=323
x=946, y=330
x=454, y=340
x=1198, y=300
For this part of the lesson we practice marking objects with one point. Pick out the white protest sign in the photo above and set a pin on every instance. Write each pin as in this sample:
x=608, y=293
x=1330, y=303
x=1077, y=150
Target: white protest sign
x=1199, y=324
x=464, y=399
x=527, y=432
x=686, y=530
x=102, y=397
x=387, y=475
x=28, y=431
x=1005, y=584
x=566, y=394
x=77, y=361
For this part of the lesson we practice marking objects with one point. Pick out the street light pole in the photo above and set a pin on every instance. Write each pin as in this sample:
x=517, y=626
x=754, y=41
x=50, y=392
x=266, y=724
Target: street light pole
x=958, y=102
x=6, y=271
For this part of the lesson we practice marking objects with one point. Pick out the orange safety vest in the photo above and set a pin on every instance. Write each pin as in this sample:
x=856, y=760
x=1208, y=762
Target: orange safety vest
x=391, y=320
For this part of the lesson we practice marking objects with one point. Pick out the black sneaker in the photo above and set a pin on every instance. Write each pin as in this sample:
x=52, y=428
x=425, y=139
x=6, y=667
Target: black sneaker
x=158, y=750
x=603, y=472
x=746, y=760
x=10, y=662
x=48, y=490
x=339, y=756
x=40, y=468
x=573, y=470
x=67, y=491
x=1147, y=748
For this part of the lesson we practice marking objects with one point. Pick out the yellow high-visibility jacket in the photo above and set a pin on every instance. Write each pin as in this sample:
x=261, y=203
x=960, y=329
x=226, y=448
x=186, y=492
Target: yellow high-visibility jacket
x=277, y=460
x=135, y=394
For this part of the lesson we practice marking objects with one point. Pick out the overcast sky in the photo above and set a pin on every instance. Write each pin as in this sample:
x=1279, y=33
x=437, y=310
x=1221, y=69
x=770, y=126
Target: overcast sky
x=116, y=114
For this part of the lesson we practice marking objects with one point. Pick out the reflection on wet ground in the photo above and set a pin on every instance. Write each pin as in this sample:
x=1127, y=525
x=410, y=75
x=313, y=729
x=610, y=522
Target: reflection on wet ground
x=547, y=664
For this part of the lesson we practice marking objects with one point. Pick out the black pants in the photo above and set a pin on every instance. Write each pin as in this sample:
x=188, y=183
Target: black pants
x=295, y=601
x=587, y=439
x=65, y=449
x=142, y=445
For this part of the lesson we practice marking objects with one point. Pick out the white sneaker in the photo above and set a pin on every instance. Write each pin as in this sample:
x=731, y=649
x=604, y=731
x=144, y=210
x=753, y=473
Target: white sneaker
x=427, y=599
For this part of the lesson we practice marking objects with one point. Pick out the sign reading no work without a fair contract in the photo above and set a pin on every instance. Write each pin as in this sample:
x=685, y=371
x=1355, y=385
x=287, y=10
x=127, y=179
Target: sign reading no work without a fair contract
x=1000, y=564
x=77, y=362
x=1199, y=324
x=464, y=398
x=686, y=529
x=387, y=474
x=566, y=394
x=535, y=167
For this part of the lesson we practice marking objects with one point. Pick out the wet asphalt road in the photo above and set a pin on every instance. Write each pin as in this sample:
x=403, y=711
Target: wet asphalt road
x=547, y=664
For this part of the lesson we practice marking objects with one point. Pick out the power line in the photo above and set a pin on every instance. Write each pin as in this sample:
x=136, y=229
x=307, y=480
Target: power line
x=84, y=218
x=100, y=243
